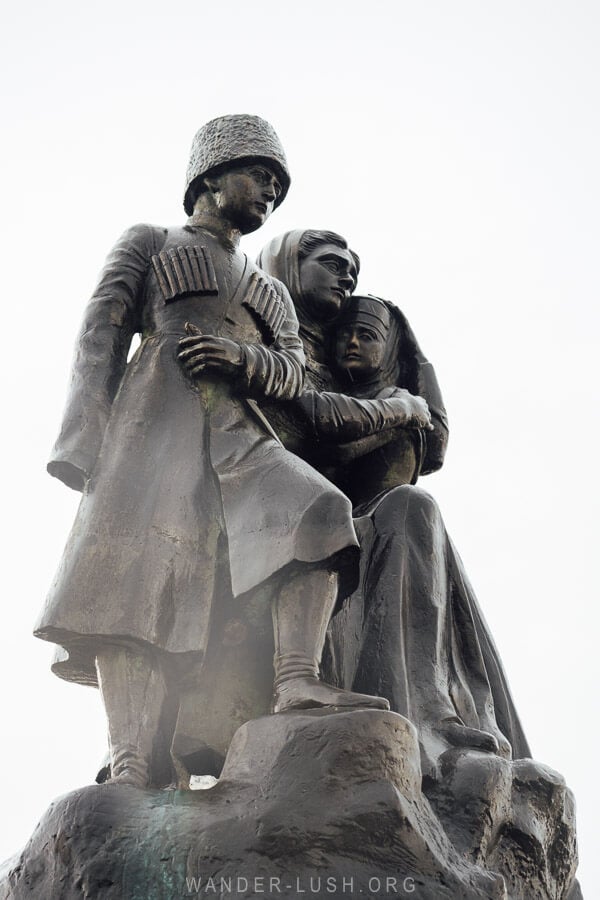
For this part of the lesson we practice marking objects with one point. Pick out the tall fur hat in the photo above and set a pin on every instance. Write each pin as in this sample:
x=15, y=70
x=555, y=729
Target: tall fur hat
x=237, y=138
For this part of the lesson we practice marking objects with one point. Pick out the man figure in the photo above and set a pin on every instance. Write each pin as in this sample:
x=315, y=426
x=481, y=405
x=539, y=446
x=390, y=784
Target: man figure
x=188, y=498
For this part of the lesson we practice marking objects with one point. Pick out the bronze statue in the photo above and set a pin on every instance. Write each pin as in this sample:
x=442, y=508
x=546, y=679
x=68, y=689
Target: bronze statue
x=413, y=630
x=203, y=549
x=188, y=497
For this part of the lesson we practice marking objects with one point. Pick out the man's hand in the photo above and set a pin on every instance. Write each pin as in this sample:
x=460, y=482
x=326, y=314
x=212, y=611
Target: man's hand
x=206, y=351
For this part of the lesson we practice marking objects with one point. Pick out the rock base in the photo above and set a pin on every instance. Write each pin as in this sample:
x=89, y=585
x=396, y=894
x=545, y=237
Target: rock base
x=322, y=803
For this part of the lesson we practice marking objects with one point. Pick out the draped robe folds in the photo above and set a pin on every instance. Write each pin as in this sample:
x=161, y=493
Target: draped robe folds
x=188, y=500
x=413, y=631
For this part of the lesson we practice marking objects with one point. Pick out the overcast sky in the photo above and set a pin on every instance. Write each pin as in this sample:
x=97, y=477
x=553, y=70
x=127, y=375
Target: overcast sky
x=457, y=146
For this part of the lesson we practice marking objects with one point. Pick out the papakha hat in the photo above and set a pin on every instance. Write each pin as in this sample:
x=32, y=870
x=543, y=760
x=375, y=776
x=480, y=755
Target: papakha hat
x=237, y=138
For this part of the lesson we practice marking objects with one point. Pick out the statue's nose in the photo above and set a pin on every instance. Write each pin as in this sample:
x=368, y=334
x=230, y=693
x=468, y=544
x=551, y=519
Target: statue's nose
x=269, y=192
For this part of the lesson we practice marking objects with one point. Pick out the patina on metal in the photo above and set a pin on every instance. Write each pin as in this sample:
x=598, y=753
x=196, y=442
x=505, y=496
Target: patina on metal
x=298, y=624
x=189, y=502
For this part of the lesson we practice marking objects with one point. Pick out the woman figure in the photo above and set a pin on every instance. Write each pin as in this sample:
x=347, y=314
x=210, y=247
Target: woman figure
x=413, y=631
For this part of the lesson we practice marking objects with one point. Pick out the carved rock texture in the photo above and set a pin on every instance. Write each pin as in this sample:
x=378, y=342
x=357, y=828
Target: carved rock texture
x=305, y=797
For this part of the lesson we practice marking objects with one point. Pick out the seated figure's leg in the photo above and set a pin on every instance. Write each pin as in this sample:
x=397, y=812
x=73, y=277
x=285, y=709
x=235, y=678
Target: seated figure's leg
x=415, y=649
x=133, y=691
x=301, y=613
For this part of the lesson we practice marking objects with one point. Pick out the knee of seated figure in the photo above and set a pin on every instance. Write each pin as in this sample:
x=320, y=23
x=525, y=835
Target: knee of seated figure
x=407, y=501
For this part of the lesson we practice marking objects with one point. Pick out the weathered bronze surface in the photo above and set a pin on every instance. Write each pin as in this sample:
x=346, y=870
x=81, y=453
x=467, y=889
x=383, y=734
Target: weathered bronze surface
x=262, y=592
x=189, y=501
x=413, y=627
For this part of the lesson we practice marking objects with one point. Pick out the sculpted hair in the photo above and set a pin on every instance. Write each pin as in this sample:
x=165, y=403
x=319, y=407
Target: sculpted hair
x=310, y=240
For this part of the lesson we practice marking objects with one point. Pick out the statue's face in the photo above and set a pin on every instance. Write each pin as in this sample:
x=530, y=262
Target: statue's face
x=359, y=350
x=327, y=277
x=246, y=195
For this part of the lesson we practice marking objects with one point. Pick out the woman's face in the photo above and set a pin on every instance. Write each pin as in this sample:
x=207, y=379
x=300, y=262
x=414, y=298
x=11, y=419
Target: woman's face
x=327, y=277
x=359, y=350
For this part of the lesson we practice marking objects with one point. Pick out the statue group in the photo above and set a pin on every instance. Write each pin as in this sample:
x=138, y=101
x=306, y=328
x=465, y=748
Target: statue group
x=252, y=539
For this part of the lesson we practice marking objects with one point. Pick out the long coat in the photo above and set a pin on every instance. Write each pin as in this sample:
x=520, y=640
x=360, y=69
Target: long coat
x=188, y=497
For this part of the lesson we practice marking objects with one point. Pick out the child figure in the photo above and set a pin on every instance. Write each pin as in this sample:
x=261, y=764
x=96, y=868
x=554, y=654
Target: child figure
x=413, y=631
x=377, y=357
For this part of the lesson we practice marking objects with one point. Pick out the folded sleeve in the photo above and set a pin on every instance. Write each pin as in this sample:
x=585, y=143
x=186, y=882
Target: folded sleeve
x=338, y=417
x=276, y=371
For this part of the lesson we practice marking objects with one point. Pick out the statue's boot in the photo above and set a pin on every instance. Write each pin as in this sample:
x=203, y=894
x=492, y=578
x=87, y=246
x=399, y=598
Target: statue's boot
x=133, y=691
x=301, y=614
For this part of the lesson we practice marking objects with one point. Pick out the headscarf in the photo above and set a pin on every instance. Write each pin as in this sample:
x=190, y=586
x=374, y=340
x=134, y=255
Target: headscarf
x=280, y=258
x=402, y=356
x=379, y=315
x=404, y=363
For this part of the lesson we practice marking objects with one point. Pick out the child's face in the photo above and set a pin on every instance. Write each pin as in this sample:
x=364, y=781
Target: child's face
x=359, y=349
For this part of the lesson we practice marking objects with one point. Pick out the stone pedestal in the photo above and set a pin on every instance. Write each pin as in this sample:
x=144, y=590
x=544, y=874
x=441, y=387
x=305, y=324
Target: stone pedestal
x=314, y=803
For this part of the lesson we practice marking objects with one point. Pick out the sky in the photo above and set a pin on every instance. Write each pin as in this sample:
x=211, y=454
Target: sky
x=456, y=146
